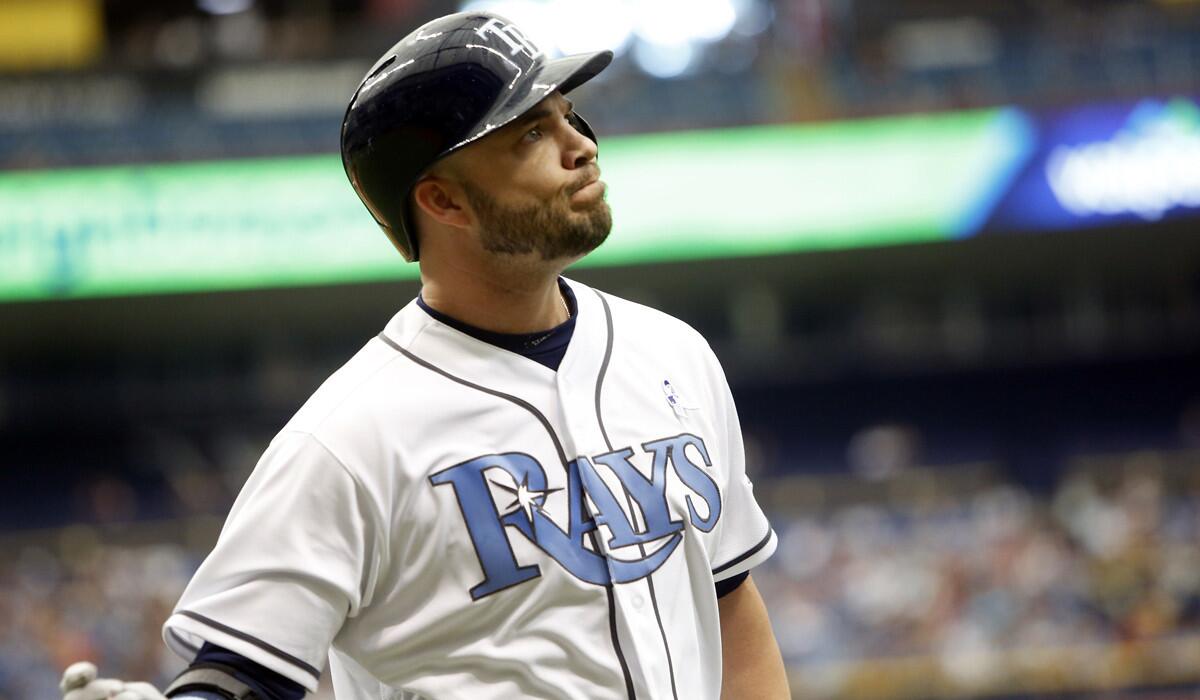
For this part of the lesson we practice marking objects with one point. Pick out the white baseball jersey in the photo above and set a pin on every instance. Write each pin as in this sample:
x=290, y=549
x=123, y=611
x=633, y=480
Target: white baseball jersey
x=446, y=519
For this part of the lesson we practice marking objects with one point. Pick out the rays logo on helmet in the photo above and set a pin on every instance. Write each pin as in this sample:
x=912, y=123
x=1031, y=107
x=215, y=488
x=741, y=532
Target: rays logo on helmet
x=510, y=35
x=633, y=552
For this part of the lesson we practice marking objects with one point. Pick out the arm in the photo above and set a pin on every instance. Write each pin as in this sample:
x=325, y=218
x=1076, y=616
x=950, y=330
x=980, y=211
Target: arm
x=295, y=558
x=222, y=674
x=752, y=666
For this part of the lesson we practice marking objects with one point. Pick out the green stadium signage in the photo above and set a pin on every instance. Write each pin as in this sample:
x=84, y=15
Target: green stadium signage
x=280, y=222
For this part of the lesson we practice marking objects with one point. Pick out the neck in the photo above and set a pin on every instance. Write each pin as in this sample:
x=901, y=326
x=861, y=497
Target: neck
x=510, y=301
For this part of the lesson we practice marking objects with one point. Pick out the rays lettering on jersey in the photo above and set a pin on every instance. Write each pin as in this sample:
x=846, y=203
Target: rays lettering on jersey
x=655, y=541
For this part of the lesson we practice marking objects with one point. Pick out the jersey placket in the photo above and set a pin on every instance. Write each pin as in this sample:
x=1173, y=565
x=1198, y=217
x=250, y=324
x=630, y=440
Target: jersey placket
x=641, y=635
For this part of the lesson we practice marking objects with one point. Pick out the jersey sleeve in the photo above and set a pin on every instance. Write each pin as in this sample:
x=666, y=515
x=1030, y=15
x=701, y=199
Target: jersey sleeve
x=297, y=555
x=744, y=537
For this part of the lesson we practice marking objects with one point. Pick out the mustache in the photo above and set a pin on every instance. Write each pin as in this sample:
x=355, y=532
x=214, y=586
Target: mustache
x=590, y=175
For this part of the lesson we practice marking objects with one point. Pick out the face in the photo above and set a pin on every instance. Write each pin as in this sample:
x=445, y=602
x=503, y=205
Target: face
x=534, y=186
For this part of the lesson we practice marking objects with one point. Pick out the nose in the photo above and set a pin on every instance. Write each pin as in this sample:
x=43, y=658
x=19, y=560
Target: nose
x=579, y=149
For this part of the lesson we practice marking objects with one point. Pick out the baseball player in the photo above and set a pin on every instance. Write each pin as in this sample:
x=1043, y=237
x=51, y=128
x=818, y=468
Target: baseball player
x=523, y=487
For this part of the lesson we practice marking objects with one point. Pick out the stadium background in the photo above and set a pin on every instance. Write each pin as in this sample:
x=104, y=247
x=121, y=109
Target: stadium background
x=946, y=251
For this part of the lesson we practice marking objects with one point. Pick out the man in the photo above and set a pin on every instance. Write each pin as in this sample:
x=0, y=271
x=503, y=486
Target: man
x=522, y=487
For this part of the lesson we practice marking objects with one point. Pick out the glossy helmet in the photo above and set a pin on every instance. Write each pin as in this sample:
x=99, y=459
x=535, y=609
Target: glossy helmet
x=454, y=80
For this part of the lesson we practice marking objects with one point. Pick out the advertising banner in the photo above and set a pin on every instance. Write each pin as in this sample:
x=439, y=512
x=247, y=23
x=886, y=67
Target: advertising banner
x=748, y=191
x=1106, y=164
x=675, y=196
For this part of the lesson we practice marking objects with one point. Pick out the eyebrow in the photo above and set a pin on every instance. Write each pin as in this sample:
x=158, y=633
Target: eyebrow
x=540, y=113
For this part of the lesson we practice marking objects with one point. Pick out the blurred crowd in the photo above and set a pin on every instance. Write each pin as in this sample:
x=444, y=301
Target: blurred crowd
x=191, y=79
x=1093, y=585
x=87, y=600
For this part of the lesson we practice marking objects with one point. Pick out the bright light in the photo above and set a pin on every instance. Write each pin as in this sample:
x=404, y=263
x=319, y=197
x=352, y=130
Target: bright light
x=654, y=28
x=1149, y=167
x=670, y=22
x=753, y=17
x=224, y=7
x=610, y=29
x=663, y=61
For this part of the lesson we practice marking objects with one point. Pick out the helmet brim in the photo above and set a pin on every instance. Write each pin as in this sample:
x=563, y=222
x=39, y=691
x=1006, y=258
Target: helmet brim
x=561, y=75
x=572, y=71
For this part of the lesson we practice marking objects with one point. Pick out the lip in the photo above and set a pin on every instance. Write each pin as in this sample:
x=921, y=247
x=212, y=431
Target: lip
x=590, y=187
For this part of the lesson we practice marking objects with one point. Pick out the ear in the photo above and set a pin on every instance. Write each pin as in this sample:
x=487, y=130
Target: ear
x=442, y=200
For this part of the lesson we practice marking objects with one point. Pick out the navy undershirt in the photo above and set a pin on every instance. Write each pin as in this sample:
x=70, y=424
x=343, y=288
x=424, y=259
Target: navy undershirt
x=544, y=347
x=728, y=585
x=266, y=683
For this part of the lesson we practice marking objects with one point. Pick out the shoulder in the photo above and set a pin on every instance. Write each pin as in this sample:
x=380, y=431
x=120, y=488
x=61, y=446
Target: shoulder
x=647, y=342
x=351, y=386
x=649, y=331
x=375, y=377
x=631, y=316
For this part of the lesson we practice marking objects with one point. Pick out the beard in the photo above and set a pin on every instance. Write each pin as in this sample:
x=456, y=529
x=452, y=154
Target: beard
x=549, y=229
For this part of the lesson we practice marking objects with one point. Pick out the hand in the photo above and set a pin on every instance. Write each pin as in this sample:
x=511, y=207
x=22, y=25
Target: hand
x=79, y=682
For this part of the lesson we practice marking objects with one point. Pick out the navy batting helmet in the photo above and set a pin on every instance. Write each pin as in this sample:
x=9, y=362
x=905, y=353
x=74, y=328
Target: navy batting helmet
x=450, y=82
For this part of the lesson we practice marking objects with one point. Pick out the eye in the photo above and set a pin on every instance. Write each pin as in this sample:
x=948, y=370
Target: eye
x=532, y=135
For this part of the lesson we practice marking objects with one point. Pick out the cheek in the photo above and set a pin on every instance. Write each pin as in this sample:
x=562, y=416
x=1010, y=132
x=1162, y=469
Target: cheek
x=540, y=191
x=540, y=176
x=537, y=178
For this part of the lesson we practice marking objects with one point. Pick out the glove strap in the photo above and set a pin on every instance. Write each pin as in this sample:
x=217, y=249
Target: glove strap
x=213, y=678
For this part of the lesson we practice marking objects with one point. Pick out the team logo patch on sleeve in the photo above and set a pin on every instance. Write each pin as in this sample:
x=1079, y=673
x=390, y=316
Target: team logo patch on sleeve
x=676, y=401
x=635, y=552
